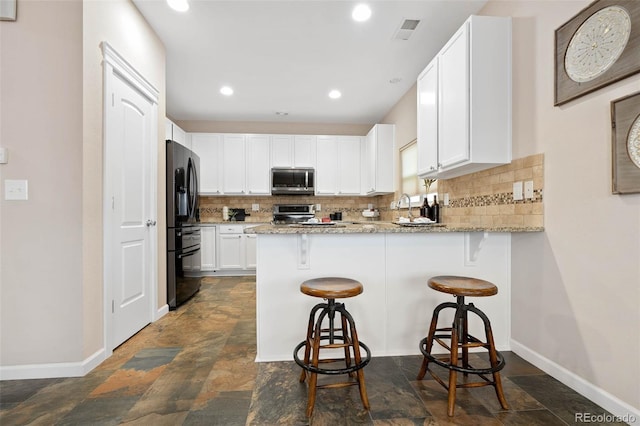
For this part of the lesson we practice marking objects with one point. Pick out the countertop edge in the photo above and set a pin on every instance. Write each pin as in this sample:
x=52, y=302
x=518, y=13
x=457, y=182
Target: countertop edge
x=386, y=228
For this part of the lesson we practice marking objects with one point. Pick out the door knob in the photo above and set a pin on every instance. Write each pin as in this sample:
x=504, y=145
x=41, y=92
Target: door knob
x=151, y=222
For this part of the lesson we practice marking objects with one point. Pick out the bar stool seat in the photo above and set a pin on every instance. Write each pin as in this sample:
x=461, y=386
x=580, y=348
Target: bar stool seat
x=460, y=340
x=340, y=334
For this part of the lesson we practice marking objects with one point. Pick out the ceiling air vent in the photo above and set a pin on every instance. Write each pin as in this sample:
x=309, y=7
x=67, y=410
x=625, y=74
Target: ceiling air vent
x=406, y=29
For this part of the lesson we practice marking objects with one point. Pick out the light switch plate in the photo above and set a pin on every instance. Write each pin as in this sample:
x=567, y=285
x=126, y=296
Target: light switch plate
x=4, y=155
x=517, y=191
x=318, y=207
x=255, y=207
x=16, y=189
x=446, y=198
x=528, y=189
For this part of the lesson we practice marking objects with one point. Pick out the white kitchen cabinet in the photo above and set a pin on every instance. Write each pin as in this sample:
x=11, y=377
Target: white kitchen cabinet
x=175, y=133
x=378, y=160
x=428, y=119
x=349, y=156
x=208, y=248
x=250, y=251
x=234, y=166
x=257, y=165
x=168, y=129
x=293, y=151
x=338, y=165
x=236, y=250
x=472, y=101
x=208, y=146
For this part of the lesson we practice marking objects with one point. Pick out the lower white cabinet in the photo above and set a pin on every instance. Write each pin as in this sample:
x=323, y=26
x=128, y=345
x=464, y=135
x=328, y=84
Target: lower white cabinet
x=208, y=248
x=236, y=250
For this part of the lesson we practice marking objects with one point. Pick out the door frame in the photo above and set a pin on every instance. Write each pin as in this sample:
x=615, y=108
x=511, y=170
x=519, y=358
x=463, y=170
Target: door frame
x=114, y=63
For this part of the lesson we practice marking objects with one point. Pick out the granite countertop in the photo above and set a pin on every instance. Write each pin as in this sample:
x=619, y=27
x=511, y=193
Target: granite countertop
x=382, y=227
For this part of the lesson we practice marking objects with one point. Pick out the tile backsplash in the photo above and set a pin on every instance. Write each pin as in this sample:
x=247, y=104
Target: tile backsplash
x=484, y=198
x=351, y=207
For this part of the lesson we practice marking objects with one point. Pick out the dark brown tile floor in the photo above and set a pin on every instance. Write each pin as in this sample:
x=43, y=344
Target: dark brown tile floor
x=196, y=366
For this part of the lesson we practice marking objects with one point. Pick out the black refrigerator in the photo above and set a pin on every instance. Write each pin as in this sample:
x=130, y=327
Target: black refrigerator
x=183, y=220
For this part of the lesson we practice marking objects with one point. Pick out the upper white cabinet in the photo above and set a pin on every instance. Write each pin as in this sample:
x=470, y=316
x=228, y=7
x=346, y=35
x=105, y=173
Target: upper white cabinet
x=257, y=165
x=208, y=146
x=378, y=160
x=338, y=165
x=175, y=133
x=464, y=101
x=293, y=151
x=234, y=168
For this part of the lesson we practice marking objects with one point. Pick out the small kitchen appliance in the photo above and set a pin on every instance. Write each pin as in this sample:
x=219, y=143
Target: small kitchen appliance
x=284, y=214
x=292, y=181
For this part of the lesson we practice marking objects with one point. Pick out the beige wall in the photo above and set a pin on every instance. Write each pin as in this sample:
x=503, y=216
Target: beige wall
x=273, y=127
x=51, y=286
x=41, y=239
x=576, y=287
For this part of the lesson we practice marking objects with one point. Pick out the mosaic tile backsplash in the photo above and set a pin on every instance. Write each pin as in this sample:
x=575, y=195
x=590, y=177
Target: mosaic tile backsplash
x=484, y=198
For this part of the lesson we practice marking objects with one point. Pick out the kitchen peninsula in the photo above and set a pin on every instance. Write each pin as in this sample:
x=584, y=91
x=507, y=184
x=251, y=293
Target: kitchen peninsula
x=393, y=262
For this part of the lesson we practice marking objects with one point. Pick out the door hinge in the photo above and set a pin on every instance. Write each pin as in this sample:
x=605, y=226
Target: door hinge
x=113, y=99
x=113, y=203
x=113, y=306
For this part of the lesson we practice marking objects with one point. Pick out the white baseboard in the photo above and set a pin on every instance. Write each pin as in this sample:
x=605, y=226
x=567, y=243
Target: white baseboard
x=164, y=310
x=601, y=397
x=53, y=370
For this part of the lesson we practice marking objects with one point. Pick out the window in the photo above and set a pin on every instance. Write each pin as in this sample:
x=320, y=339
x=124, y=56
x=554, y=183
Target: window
x=411, y=184
x=409, y=169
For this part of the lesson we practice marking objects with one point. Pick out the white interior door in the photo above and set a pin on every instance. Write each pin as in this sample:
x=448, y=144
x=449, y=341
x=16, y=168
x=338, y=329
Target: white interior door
x=130, y=167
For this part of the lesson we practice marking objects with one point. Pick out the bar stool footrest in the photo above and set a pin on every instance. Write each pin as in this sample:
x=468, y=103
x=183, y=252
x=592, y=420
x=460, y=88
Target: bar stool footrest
x=499, y=366
x=364, y=360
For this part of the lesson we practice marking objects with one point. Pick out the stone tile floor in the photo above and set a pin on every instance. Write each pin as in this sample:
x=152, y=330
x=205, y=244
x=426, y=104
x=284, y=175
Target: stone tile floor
x=195, y=366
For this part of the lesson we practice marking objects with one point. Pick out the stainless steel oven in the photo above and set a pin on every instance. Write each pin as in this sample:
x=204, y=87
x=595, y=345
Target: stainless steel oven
x=292, y=213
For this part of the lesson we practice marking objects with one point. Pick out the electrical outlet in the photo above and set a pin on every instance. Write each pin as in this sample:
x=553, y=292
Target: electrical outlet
x=370, y=206
x=4, y=155
x=318, y=207
x=446, y=198
x=528, y=190
x=517, y=191
x=255, y=207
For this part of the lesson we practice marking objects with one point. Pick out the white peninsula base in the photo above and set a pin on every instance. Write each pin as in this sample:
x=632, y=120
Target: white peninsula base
x=394, y=311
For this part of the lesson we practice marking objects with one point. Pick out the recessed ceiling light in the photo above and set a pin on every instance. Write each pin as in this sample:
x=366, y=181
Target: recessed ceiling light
x=335, y=94
x=395, y=80
x=178, y=5
x=361, y=13
x=282, y=113
x=226, y=90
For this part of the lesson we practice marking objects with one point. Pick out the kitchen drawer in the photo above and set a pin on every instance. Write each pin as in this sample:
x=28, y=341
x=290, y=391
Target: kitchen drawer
x=231, y=229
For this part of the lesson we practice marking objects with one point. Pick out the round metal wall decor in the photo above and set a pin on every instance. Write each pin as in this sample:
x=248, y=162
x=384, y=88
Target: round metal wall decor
x=597, y=44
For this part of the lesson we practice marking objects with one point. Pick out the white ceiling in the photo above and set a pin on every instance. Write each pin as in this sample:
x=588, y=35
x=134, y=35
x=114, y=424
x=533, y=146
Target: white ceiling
x=287, y=56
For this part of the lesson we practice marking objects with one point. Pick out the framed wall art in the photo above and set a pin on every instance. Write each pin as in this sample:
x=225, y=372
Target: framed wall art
x=8, y=10
x=625, y=142
x=598, y=46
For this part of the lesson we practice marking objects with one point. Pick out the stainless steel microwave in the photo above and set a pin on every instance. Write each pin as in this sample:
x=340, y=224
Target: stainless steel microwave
x=292, y=181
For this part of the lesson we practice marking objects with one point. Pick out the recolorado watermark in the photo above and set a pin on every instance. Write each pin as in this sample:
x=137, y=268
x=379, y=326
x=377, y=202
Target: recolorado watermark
x=604, y=418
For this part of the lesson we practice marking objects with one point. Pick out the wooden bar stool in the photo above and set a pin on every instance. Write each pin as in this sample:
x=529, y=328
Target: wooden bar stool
x=461, y=340
x=338, y=335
